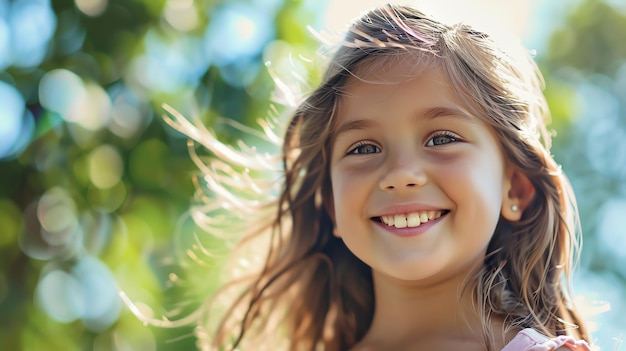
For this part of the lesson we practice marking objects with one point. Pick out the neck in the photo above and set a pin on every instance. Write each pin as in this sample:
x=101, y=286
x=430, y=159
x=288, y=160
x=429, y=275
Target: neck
x=426, y=309
x=439, y=315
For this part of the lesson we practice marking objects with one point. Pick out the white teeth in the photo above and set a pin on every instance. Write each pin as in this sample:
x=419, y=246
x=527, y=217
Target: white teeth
x=424, y=217
x=413, y=219
x=399, y=221
x=390, y=220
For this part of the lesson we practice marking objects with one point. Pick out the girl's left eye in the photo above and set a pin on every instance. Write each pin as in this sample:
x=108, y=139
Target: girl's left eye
x=364, y=148
x=442, y=138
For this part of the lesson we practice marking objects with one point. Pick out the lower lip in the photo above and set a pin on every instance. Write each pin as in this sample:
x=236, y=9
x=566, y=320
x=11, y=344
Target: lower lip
x=409, y=231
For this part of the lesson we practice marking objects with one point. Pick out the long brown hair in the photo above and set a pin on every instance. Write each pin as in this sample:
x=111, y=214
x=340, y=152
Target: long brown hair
x=312, y=292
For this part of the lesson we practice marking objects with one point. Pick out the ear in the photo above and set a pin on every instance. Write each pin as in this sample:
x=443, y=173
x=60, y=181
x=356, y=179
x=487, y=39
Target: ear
x=517, y=194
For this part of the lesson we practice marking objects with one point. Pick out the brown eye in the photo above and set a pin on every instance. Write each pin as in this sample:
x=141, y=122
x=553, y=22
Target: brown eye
x=364, y=149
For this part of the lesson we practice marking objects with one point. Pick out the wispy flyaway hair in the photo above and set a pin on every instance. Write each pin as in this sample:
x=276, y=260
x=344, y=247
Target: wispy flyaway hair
x=310, y=291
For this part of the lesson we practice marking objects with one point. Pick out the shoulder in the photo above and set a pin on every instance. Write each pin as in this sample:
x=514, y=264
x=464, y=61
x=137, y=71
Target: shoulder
x=531, y=340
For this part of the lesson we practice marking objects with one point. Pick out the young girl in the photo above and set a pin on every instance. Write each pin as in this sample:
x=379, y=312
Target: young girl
x=420, y=207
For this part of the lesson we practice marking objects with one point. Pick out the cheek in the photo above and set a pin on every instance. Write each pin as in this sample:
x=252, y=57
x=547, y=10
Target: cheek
x=478, y=181
x=338, y=189
x=343, y=179
x=348, y=192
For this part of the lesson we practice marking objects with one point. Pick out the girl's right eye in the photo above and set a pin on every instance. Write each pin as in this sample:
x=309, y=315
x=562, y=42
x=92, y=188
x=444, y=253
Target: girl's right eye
x=364, y=148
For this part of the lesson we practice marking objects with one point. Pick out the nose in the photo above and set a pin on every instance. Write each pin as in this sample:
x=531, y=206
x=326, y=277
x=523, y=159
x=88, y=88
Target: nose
x=403, y=176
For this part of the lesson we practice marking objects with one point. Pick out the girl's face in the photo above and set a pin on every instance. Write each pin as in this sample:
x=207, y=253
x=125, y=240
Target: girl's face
x=418, y=183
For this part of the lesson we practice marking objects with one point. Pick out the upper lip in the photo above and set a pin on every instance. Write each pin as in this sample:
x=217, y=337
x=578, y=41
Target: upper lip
x=400, y=209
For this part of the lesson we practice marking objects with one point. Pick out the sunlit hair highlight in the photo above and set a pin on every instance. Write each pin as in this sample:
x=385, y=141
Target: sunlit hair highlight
x=310, y=291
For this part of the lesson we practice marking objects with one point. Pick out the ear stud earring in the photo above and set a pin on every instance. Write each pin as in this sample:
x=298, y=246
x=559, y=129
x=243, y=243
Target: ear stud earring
x=514, y=208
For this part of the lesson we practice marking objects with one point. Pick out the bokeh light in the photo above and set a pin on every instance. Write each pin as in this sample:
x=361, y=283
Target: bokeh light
x=237, y=31
x=56, y=232
x=92, y=8
x=126, y=337
x=57, y=214
x=65, y=93
x=182, y=15
x=87, y=291
x=168, y=65
x=99, y=289
x=32, y=24
x=602, y=135
x=11, y=116
x=62, y=91
x=59, y=293
x=109, y=199
x=5, y=41
x=63, y=240
x=612, y=231
x=129, y=114
x=105, y=167
x=71, y=35
x=98, y=225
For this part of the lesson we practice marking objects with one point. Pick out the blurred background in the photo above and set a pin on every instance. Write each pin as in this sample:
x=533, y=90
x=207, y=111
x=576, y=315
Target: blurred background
x=94, y=187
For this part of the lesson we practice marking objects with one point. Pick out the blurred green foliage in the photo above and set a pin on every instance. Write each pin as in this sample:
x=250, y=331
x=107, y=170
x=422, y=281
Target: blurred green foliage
x=94, y=190
x=584, y=63
x=97, y=199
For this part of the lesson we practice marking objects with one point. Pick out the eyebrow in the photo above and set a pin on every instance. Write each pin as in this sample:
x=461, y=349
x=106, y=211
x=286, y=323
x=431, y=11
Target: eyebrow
x=454, y=112
x=429, y=114
x=358, y=124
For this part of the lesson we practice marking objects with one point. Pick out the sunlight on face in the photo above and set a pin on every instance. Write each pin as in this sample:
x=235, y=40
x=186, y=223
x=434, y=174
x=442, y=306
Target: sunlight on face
x=417, y=183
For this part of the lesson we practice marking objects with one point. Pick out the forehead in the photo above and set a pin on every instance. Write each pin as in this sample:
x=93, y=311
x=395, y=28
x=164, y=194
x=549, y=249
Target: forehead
x=405, y=79
x=393, y=67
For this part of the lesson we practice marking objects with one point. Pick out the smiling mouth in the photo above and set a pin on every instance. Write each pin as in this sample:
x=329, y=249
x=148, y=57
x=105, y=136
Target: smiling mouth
x=410, y=220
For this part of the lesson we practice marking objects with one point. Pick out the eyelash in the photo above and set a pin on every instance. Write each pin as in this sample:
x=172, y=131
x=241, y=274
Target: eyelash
x=444, y=133
x=361, y=144
x=453, y=138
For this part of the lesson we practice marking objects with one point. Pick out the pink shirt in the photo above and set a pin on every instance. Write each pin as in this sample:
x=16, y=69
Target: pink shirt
x=531, y=340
